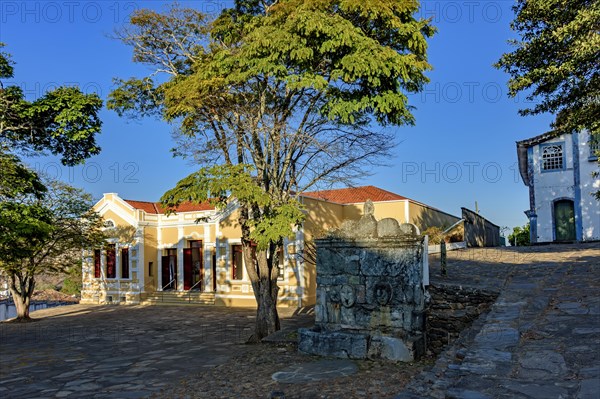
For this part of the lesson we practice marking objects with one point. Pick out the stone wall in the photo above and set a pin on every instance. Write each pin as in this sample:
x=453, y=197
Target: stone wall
x=370, y=285
x=370, y=293
x=451, y=310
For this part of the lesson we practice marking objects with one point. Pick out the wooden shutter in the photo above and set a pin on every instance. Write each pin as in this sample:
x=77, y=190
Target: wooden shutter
x=111, y=270
x=97, y=263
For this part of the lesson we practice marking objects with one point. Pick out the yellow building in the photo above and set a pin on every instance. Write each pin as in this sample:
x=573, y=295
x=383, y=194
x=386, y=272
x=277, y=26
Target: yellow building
x=194, y=255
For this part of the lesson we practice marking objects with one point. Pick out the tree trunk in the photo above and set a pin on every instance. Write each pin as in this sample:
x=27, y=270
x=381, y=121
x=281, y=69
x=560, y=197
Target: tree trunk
x=262, y=271
x=267, y=318
x=21, y=289
x=264, y=285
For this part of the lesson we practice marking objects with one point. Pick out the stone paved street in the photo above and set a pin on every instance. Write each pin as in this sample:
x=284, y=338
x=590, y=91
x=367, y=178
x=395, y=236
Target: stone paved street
x=115, y=352
x=541, y=338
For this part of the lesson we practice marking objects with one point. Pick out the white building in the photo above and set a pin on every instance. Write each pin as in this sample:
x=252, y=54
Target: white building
x=558, y=168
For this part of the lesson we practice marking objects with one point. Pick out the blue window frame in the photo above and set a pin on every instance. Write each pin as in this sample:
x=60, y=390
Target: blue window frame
x=552, y=157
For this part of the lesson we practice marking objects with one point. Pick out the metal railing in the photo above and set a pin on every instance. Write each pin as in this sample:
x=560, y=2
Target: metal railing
x=189, y=293
x=162, y=290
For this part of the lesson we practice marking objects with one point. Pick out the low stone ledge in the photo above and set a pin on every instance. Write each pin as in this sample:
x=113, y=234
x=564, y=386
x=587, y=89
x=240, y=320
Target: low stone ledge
x=336, y=344
x=452, y=309
x=355, y=345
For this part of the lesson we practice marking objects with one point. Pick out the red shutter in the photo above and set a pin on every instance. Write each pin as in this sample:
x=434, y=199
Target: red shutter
x=125, y=263
x=111, y=270
x=96, y=263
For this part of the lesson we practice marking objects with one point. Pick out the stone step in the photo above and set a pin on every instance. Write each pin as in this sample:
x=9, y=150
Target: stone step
x=176, y=303
x=178, y=298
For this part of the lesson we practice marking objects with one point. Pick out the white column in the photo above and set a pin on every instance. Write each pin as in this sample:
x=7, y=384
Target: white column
x=207, y=261
x=180, y=245
x=141, y=265
x=159, y=270
x=118, y=262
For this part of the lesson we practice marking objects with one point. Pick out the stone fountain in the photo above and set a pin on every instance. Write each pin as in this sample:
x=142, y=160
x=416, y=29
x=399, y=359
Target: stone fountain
x=370, y=292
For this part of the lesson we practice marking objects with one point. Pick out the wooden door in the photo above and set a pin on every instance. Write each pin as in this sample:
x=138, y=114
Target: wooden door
x=564, y=220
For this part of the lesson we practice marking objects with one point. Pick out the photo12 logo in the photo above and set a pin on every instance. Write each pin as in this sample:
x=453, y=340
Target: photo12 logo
x=455, y=172
x=468, y=92
x=91, y=172
x=35, y=90
x=66, y=11
x=72, y=12
x=463, y=11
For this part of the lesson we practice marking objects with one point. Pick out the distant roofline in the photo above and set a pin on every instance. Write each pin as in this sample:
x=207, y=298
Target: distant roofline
x=315, y=195
x=540, y=138
x=523, y=145
x=401, y=199
x=144, y=202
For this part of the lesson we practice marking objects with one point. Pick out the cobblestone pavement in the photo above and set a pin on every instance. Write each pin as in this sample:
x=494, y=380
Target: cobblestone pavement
x=541, y=338
x=81, y=351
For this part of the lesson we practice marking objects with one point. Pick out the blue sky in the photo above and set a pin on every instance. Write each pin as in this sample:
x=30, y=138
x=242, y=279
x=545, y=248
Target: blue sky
x=461, y=151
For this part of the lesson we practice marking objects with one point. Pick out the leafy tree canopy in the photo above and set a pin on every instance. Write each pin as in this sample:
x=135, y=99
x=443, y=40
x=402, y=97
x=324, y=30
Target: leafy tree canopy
x=63, y=121
x=556, y=60
x=280, y=95
x=219, y=183
x=520, y=236
x=43, y=224
x=16, y=179
x=45, y=234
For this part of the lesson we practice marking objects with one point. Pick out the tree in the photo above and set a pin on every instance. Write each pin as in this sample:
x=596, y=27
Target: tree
x=44, y=234
x=38, y=224
x=63, y=121
x=520, y=236
x=272, y=98
x=556, y=61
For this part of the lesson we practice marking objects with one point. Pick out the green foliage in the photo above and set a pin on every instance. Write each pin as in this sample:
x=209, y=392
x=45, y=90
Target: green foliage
x=218, y=184
x=23, y=228
x=43, y=224
x=556, y=60
x=16, y=179
x=520, y=236
x=73, y=283
x=279, y=95
x=63, y=121
x=435, y=235
x=47, y=233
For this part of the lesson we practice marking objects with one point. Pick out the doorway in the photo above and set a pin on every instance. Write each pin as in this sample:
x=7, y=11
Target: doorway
x=192, y=266
x=564, y=220
x=169, y=269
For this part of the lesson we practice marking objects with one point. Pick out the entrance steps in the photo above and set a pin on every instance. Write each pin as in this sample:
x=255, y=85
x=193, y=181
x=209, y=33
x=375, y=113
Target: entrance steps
x=177, y=298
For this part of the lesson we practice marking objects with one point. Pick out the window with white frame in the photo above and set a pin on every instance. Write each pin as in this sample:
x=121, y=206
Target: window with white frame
x=552, y=157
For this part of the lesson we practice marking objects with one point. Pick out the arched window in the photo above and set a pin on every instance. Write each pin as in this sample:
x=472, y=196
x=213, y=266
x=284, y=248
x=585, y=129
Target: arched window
x=552, y=157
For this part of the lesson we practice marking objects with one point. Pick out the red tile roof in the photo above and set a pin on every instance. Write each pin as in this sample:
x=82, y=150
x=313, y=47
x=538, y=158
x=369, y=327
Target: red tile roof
x=156, y=208
x=354, y=195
